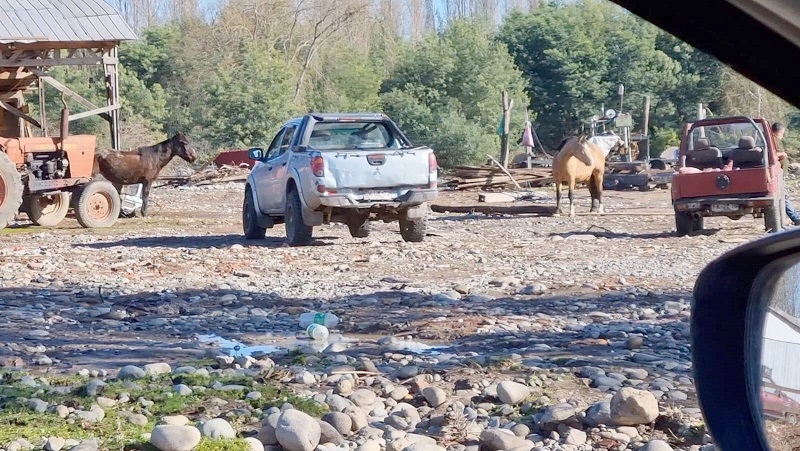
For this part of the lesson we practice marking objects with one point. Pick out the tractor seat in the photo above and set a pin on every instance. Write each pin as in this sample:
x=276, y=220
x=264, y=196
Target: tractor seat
x=703, y=156
x=747, y=155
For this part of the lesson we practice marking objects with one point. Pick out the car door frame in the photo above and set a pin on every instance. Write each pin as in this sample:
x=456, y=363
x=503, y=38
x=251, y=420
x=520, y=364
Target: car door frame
x=277, y=169
x=262, y=174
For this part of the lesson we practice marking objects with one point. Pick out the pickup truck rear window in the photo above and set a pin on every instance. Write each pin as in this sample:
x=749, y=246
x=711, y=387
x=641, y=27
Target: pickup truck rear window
x=353, y=135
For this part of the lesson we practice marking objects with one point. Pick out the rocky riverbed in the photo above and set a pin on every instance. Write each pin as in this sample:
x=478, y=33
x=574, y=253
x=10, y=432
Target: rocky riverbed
x=497, y=333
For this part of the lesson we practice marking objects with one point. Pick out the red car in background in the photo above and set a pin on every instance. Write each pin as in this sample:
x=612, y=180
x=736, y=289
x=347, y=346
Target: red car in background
x=777, y=405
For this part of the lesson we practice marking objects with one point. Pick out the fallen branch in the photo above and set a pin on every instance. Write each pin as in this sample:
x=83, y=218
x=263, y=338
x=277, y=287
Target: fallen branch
x=506, y=171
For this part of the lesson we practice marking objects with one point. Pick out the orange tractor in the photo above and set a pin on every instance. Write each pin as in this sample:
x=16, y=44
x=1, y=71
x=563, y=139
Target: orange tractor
x=46, y=176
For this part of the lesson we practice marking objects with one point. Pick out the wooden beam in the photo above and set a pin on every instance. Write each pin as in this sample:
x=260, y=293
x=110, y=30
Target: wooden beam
x=97, y=111
x=46, y=62
x=16, y=112
x=74, y=95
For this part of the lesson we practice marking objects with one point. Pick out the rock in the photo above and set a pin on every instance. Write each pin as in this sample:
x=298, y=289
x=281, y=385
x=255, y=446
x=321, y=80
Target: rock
x=297, y=431
x=86, y=445
x=423, y=447
x=502, y=439
x=175, y=438
x=131, y=372
x=182, y=389
x=253, y=444
x=92, y=415
x=267, y=432
x=358, y=417
x=37, y=405
x=656, y=445
x=634, y=343
x=369, y=445
x=511, y=392
x=399, y=393
x=329, y=434
x=557, y=414
x=217, y=428
x=340, y=421
x=95, y=387
x=575, y=437
x=434, y=395
x=363, y=397
x=632, y=407
x=175, y=420
x=137, y=419
x=156, y=369
x=54, y=444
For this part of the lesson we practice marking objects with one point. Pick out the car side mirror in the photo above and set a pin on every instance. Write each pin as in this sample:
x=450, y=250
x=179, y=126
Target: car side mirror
x=256, y=153
x=745, y=336
x=301, y=148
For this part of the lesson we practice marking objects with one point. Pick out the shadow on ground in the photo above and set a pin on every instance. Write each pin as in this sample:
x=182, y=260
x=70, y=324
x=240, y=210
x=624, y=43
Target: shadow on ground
x=200, y=242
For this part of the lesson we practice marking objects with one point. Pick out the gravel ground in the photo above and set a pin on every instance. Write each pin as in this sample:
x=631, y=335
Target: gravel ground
x=574, y=309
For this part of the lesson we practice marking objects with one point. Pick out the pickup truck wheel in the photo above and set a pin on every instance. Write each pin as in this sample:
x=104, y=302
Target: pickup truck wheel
x=252, y=231
x=413, y=230
x=297, y=233
x=773, y=219
x=686, y=224
x=359, y=226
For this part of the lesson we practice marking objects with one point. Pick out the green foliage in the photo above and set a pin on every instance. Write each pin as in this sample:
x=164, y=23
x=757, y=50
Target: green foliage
x=663, y=138
x=445, y=92
x=350, y=83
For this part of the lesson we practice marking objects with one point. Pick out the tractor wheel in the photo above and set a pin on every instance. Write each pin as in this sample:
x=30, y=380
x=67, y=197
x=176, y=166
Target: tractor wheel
x=10, y=190
x=686, y=224
x=98, y=205
x=47, y=211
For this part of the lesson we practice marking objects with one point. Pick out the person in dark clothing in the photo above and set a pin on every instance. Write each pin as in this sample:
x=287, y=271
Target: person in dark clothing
x=779, y=130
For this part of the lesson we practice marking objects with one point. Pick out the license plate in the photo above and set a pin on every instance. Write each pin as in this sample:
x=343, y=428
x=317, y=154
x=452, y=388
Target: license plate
x=379, y=195
x=724, y=208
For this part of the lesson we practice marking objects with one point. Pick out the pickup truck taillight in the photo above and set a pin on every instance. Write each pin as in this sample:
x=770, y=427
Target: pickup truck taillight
x=433, y=167
x=318, y=166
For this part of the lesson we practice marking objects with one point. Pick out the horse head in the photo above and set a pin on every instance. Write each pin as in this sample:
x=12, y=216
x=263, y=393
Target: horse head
x=582, y=151
x=182, y=148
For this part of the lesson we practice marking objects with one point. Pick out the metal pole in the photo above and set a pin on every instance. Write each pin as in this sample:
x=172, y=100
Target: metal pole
x=701, y=114
x=646, y=129
x=42, y=112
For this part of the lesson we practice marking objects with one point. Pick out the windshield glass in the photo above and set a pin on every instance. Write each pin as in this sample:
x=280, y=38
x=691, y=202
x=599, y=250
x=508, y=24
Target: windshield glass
x=353, y=135
x=725, y=136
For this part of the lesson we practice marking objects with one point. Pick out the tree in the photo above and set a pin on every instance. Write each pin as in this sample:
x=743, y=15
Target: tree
x=445, y=91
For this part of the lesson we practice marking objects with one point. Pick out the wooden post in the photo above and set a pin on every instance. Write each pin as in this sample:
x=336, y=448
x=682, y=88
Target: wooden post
x=646, y=128
x=507, y=104
x=701, y=114
x=42, y=112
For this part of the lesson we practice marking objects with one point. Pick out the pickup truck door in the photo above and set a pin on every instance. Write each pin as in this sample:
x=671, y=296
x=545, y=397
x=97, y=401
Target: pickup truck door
x=261, y=174
x=277, y=169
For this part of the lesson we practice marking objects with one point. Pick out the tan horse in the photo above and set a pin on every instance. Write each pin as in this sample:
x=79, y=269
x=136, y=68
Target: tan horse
x=579, y=161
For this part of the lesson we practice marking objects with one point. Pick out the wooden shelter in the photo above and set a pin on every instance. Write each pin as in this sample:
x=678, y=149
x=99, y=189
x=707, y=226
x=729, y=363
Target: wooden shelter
x=36, y=35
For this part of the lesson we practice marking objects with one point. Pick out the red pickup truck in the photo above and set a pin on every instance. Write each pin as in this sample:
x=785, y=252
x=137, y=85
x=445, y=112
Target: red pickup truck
x=728, y=166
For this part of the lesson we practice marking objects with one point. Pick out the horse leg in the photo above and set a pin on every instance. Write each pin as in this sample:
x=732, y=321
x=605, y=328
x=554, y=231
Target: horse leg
x=145, y=197
x=558, y=198
x=596, y=190
x=571, y=196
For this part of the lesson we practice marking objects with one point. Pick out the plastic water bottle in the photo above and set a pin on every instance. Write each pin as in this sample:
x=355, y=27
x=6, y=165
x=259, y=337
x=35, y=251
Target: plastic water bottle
x=328, y=320
x=317, y=332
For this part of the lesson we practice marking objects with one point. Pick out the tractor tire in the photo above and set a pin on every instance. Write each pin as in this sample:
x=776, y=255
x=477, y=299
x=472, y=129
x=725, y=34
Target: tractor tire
x=10, y=190
x=47, y=211
x=413, y=230
x=358, y=225
x=297, y=232
x=98, y=205
x=686, y=224
x=252, y=231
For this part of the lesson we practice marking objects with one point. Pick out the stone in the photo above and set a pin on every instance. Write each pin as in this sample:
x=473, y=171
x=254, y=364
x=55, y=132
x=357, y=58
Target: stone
x=156, y=369
x=54, y=444
x=632, y=407
x=217, y=428
x=267, y=432
x=137, y=419
x=557, y=414
x=358, y=417
x=175, y=438
x=502, y=439
x=253, y=444
x=340, y=421
x=297, y=431
x=329, y=434
x=575, y=437
x=434, y=395
x=363, y=397
x=130, y=372
x=656, y=445
x=175, y=420
x=510, y=392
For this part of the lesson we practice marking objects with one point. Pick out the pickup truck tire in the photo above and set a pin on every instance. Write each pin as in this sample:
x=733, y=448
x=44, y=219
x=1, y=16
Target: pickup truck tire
x=773, y=218
x=413, y=230
x=252, y=231
x=359, y=226
x=297, y=232
x=686, y=224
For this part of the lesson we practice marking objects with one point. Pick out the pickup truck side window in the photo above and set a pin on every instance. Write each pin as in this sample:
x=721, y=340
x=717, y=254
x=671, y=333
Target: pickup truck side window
x=274, y=146
x=286, y=141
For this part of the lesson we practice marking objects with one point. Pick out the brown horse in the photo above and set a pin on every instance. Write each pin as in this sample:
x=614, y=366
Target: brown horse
x=141, y=165
x=579, y=161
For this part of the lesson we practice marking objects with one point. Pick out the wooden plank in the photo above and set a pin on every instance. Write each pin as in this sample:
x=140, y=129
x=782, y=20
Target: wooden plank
x=16, y=112
x=98, y=111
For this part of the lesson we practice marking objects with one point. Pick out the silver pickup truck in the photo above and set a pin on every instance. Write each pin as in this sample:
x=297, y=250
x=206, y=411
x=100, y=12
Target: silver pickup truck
x=345, y=168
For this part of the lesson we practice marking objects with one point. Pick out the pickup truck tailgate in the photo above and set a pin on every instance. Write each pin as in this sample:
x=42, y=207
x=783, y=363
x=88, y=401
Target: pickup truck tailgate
x=385, y=168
